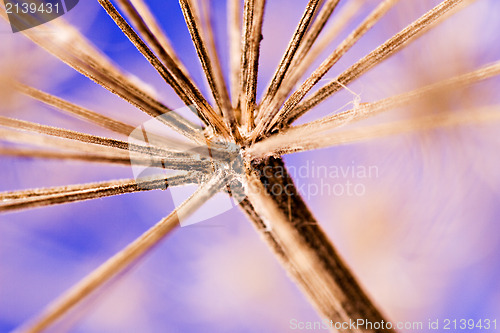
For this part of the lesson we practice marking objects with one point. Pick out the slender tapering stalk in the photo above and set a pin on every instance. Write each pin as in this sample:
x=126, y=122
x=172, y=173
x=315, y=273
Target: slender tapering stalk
x=294, y=235
x=125, y=185
x=190, y=95
x=76, y=110
x=75, y=50
x=275, y=146
x=105, y=154
x=273, y=115
x=300, y=65
x=310, y=38
x=28, y=199
x=124, y=259
x=366, y=110
x=89, y=138
x=148, y=31
x=145, y=13
x=251, y=39
x=292, y=48
x=214, y=77
x=390, y=47
x=234, y=36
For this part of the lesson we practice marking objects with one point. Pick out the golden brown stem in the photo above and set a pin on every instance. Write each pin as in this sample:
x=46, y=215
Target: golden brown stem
x=286, y=224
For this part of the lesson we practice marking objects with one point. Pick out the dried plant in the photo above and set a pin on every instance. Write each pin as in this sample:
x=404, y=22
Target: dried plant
x=262, y=131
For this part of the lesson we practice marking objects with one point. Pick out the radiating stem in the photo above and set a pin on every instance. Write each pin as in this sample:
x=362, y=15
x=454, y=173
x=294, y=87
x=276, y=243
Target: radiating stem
x=214, y=76
x=371, y=109
x=234, y=35
x=390, y=47
x=275, y=146
x=72, y=48
x=273, y=115
x=163, y=141
x=298, y=68
x=252, y=36
x=76, y=110
x=98, y=153
x=188, y=93
x=150, y=20
x=88, y=138
x=27, y=199
x=163, y=50
x=311, y=36
x=124, y=259
x=292, y=48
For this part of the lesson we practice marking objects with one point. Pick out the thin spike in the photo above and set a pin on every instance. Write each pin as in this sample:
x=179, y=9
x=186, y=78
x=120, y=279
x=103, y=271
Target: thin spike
x=180, y=80
x=156, y=182
x=229, y=112
x=144, y=11
x=252, y=36
x=298, y=68
x=274, y=115
x=75, y=110
x=390, y=47
x=208, y=29
x=292, y=48
x=98, y=119
x=366, y=110
x=93, y=152
x=86, y=138
x=46, y=141
x=207, y=34
x=124, y=259
x=312, y=34
x=189, y=95
x=72, y=156
x=72, y=48
x=274, y=146
x=215, y=79
x=166, y=55
x=234, y=36
x=28, y=199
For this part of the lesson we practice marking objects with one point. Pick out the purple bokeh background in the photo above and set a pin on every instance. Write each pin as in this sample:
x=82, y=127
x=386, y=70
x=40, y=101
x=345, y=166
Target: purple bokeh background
x=424, y=239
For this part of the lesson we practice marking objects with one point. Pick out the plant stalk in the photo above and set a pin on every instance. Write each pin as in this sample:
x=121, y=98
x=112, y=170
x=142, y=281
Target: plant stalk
x=287, y=225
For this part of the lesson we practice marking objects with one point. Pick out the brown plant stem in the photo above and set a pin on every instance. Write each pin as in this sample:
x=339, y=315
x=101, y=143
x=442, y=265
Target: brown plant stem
x=234, y=36
x=293, y=46
x=212, y=71
x=274, y=114
x=188, y=94
x=301, y=64
x=252, y=37
x=28, y=199
x=124, y=259
x=274, y=145
x=385, y=50
x=289, y=228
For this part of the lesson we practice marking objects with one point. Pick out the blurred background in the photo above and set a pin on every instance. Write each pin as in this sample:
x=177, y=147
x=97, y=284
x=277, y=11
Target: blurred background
x=423, y=237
